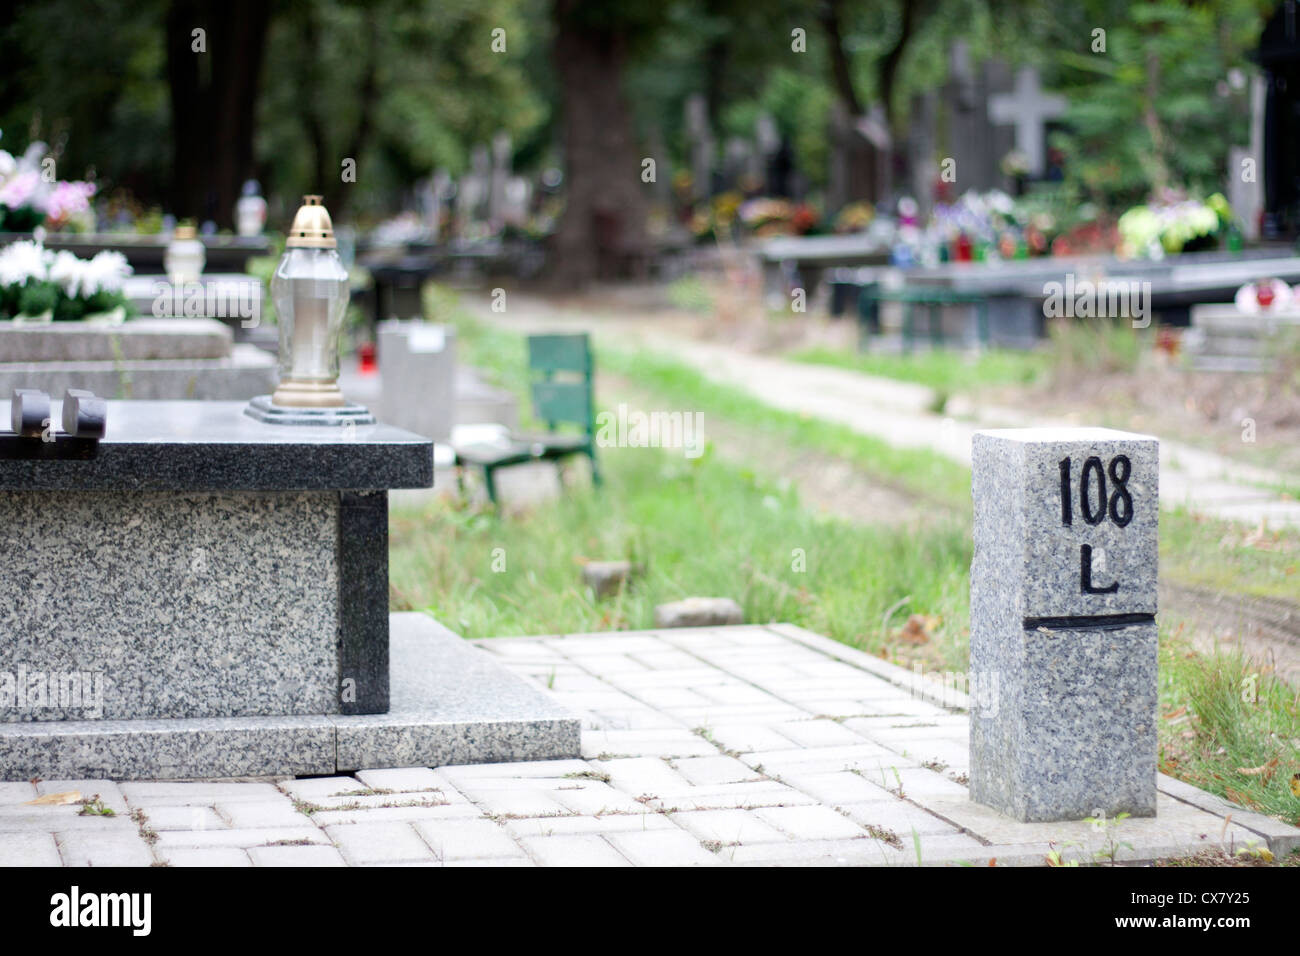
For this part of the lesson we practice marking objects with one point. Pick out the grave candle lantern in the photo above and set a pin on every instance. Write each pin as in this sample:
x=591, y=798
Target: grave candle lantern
x=310, y=291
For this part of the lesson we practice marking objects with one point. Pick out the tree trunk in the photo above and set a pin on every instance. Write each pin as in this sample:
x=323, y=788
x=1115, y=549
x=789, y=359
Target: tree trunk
x=213, y=102
x=602, y=230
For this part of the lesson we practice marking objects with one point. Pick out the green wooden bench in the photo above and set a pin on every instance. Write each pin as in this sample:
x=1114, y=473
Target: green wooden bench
x=560, y=368
x=933, y=298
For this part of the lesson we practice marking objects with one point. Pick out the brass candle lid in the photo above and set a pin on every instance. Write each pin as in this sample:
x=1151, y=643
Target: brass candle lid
x=312, y=228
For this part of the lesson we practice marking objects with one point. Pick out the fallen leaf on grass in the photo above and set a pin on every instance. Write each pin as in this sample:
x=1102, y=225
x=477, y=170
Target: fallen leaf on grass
x=917, y=629
x=55, y=799
x=1176, y=713
x=1295, y=784
x=1264, y=770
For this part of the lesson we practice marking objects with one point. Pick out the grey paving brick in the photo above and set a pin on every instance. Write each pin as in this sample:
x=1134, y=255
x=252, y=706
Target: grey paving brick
x=593, y=798
x=945, y=847
x=29, y=849
x=168, y=839
x=818, y=733
x=899, y=817
x=406, y=780
x=833, y=789
x=810, y=823
x=210, y=856
x=363, y=843
x=315, y=789
x=497, y=861
x=248, y=814
x=578, y=849
x=478, y=774
x=518, y=803
x=467, y=839
x=748, y=737
x=864, y=852
x=397, y=814
x=296, y=856
x=669, y=848
x=865, y=756
x=644, y=775
x=768, y=793
x=728, y=826
x=201, y=792
x=715, y=771
x=609, y=823
x=17, y=792
x=184, y=818
x=920, y=782
x=645, y=743
x=87, y=848
x=48, y=819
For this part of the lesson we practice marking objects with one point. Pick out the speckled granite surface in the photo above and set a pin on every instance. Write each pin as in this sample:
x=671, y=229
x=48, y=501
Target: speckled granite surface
x=197, y=605
x=1063, y=635
x=452, y=703
x=214, y=446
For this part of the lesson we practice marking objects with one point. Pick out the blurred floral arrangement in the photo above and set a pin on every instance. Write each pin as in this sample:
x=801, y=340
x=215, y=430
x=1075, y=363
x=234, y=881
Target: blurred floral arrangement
x=730, y=216
x=37, y=284
x=29, y=198
x=1173, y=223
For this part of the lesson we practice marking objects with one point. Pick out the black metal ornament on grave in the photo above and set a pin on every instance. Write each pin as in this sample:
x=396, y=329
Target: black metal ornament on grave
x=35, y=436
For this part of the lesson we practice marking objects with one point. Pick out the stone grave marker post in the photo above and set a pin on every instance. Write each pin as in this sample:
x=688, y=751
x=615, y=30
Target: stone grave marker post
x=1063, y=629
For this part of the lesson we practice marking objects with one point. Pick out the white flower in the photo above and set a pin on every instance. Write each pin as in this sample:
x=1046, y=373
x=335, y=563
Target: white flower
x=104, y=273
x=8, y=165
x=68, y=271
x=20, y=261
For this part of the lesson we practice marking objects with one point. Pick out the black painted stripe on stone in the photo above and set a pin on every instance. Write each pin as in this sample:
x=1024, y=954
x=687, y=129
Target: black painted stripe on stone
x=1088, y=622
x=363, y=600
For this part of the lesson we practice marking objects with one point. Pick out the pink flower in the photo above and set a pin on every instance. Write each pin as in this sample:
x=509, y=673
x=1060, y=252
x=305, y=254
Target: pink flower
x=20, y=189
x=67, y=200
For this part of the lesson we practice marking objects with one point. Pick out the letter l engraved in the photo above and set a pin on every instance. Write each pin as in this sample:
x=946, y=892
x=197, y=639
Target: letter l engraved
x=1085, y=573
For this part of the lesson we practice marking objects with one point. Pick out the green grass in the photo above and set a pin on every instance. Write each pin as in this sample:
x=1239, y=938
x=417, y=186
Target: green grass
x=919, y=471
x=699, y=527
x=1229, y=729
x=1226, y=556
x=946, y=371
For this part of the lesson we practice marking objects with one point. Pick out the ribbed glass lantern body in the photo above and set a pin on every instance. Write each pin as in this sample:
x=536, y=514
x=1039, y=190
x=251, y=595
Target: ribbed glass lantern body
x=310, y=292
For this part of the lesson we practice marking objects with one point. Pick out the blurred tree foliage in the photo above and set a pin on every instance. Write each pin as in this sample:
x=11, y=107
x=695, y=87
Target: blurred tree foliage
x=1156, y=109
x=405, y=86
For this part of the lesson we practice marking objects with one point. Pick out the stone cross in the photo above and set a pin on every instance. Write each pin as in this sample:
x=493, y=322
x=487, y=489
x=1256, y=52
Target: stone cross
x=502, y=150
x=700, y=136
x=1063, y=629
x=1028, y=109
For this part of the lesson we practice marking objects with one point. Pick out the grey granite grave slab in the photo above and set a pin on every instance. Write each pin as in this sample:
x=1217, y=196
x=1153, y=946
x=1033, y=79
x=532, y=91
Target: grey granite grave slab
x=451, y=704
x=213, y=446
x=245, y=372
x=1063, y=633
x=157, y=604
x=145, y=358
x=133, y=340
x=196, y=563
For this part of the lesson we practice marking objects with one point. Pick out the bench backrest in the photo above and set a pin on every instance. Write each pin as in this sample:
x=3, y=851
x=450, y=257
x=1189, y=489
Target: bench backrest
x=561, y=369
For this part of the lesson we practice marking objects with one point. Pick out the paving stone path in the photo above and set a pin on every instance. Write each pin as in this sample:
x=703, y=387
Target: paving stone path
x=757, y=745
